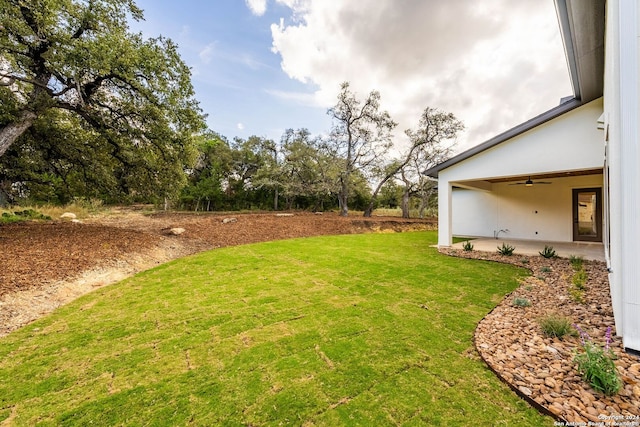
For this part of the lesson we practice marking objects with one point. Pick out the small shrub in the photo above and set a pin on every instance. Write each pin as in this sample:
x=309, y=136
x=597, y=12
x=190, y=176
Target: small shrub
x=596, y=364
x=506, y=250
x=548, y=252
x=467, y=246
x=576, y=262
x=545, y=269
x=579, y=280
x=554, y=325
x=524, y=261
x=577, y=295
x=521, y=302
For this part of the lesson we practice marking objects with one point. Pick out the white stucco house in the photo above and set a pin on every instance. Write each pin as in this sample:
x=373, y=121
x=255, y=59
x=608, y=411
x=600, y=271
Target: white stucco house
x=573, y=173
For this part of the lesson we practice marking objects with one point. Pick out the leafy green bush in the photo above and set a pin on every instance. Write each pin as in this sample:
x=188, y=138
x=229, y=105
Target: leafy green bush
x=467, y=246
x=596, y=364
x=521, y=302
x=548, y=252
x=506, y=249
x=555, y=325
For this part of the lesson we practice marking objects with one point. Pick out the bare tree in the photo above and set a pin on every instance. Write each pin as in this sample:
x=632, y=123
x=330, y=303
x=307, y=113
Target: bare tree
x=427, y=149
x=361, y=135
x=431, y=143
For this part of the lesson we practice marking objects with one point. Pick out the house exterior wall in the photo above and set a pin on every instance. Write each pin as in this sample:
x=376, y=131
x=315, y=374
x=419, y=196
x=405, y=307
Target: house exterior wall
x=541, y=212
x=621, y=119
x=569, y=142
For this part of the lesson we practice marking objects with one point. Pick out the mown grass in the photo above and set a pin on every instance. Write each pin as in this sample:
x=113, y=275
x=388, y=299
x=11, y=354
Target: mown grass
x=369, y=329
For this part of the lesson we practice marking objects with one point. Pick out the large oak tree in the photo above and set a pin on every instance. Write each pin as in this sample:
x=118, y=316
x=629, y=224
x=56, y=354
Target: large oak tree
x=361, y=136
x=75, y=64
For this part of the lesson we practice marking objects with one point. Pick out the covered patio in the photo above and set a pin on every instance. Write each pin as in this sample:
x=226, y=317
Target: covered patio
x=587, y=250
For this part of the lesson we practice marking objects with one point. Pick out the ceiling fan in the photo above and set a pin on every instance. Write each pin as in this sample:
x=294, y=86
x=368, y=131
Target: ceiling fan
x=529, y=182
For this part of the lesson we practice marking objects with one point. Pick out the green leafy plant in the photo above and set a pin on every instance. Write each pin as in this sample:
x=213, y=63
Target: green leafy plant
x=467, y=246
x=555, y=325
x=576, y=262
x=506, y=250
x=548, y=252
x=521, y=302
x=579, y=280
x=524, y=261
x=577, y=295
x=596, y=364
x=545, y=269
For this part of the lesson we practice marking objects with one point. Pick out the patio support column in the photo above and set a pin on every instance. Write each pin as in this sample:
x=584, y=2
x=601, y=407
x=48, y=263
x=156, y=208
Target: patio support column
x=444, y=213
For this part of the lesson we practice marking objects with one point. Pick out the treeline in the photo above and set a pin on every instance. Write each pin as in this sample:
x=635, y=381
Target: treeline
x=298, y=172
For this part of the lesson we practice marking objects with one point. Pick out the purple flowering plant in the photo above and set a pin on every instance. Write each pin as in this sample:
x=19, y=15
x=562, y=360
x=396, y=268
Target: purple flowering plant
x=596, y=364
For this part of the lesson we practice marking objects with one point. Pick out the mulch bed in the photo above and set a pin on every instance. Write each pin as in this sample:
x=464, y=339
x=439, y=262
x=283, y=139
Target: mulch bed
x=541, y=369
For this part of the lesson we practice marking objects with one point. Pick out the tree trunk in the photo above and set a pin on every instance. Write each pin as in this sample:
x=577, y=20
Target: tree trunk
x=423, y=206
x=343, y=196
x=275, y=200
x=13, y=130
x=405, y=204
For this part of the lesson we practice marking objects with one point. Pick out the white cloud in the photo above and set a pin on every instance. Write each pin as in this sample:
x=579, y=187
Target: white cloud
x=302, y=98
x=257, y=7
x=240, y=126
x=494, y=64
x=206, y=53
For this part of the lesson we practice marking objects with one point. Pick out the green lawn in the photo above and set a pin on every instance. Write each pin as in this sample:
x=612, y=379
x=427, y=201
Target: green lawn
x=371, y=329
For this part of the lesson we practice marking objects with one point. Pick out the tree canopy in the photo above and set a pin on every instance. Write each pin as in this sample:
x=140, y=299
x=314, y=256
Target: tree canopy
x=79, y=89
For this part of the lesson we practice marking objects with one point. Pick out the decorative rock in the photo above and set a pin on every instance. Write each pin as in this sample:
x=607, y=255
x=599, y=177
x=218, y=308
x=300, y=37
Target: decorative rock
x=176, y=231
x=556, y=408
x=229, y=220
x=68, y=215
x=591, y=410
x=551, y=349
x=525, y=390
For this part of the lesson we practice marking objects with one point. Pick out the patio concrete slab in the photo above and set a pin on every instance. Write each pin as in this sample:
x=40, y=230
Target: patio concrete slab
x=587, y=250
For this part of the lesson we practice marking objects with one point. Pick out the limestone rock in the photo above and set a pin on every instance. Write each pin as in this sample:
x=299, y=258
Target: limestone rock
x=176, y=231
x=229, y=220
x=68, y=215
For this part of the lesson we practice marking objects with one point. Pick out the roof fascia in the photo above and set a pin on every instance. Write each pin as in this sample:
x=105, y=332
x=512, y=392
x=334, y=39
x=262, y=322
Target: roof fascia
x=564, y=21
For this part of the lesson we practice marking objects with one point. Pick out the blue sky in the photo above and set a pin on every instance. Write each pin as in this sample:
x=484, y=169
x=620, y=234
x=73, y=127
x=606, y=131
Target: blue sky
x=261, y=66
x=235, y=73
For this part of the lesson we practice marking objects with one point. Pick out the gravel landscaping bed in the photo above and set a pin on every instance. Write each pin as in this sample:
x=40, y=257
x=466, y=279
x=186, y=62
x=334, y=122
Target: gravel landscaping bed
x=541, y=369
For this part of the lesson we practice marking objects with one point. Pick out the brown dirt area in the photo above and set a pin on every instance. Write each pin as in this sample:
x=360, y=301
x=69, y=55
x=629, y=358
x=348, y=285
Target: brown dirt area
x=44, y=265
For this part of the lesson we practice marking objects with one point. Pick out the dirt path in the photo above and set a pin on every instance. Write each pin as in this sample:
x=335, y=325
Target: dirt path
x=46, y=265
